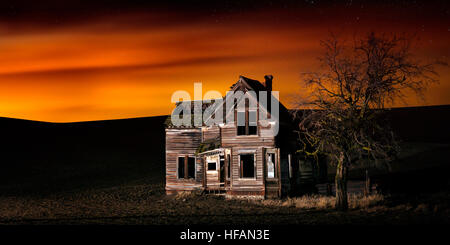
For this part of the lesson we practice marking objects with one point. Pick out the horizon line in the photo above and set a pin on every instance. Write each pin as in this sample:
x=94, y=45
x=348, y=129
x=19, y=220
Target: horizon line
x=141, y=117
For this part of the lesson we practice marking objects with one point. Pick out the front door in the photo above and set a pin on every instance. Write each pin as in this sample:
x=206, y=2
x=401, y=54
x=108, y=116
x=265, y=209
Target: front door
x=222, y=172
x=271, y=172
x=213, y=171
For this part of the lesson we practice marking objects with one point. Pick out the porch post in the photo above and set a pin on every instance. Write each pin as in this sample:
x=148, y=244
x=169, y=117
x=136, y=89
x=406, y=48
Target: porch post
x=186, y=170
x=225, y=166
x=204, y=172
x=278, y=164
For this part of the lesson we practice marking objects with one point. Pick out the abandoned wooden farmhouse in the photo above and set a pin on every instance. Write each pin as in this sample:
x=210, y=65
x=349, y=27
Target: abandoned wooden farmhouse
x=237, y=160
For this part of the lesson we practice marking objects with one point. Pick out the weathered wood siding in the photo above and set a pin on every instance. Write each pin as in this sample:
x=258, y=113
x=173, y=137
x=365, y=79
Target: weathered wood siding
x=243, y=145
x=210, y=133
x=182, y=142
x=231, y=139
x=243, y=186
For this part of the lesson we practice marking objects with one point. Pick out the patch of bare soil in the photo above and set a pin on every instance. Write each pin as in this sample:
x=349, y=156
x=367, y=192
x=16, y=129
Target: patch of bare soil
x=147, y=204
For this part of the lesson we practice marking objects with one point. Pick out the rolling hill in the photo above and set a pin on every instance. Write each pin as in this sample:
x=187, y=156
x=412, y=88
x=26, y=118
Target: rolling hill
x=44, y=158
x=40, y=157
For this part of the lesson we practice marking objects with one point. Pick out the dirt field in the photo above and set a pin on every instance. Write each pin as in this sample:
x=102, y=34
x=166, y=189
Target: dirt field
x=147, y=204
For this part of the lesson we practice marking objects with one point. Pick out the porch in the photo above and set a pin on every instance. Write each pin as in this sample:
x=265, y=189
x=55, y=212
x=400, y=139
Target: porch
x=216, y=170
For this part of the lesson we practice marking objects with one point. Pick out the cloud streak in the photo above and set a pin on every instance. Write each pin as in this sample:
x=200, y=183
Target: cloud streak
x=114, y=60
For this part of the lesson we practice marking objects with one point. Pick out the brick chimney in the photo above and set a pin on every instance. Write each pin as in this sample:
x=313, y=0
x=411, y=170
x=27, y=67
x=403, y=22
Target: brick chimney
x=268, y=82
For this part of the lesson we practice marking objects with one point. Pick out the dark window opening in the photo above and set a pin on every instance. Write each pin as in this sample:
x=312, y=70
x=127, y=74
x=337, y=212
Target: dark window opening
x=247, y=166
x=252, y=130
x=212, y=166
x=241, y=130
x=222, y=171
x=186, y=167
x=241, y=123
x=181, y=168
x=247, y=122
x=191, y=167
x=228, y=165
x=252, y=123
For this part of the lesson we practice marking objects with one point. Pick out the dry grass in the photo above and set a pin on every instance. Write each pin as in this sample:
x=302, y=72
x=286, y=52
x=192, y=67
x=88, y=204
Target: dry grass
x=356, y=201
x=147, y=204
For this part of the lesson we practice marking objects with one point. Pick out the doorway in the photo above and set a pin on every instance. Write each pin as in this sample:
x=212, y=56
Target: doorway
x=222, y=172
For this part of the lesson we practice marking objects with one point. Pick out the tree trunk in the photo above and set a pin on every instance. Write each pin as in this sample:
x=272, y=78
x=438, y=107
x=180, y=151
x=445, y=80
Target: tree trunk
x=341, y=185
x=368, y=184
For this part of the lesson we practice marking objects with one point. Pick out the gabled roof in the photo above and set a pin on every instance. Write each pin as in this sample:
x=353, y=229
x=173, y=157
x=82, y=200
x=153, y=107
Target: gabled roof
x=249, y=84
x=246, y=84
x=243, y=84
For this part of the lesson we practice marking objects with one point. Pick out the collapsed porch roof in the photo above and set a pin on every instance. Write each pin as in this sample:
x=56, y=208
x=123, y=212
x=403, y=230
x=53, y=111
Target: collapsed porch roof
x=216, y=151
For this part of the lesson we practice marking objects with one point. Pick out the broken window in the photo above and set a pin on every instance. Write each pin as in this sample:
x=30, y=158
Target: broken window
x=181, y=167
x=247, y=166
x=252, y=125
x=247, y=122
x=191, y=167
x=241, y=122
x=186, y=167
x=270, y=165
x=212, y=166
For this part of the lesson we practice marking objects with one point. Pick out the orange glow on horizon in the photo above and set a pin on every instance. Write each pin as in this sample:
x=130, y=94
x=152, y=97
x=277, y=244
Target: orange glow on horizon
x=114, y=67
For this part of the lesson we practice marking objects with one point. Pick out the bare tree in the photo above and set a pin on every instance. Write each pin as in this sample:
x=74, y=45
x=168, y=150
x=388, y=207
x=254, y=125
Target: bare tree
x=345, y=121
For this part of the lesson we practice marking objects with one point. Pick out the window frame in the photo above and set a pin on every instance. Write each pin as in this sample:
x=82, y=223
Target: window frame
x=274, y=165
x=186, y=167
x=207, y=164
x=254, y=166
x=247, y=122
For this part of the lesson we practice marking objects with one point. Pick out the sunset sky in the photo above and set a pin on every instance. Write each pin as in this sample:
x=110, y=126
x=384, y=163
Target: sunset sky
x=66, y=61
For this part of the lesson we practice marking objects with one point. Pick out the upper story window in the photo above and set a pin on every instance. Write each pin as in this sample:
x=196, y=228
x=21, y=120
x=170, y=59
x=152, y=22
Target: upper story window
x=247, y=122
